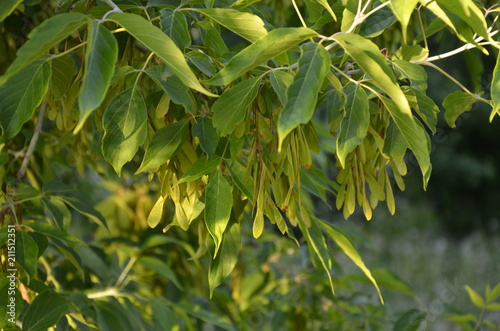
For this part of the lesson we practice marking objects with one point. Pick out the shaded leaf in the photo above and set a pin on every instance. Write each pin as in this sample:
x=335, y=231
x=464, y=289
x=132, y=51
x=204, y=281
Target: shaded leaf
x=159, y=43
x=237, y=172
x=495, y=89
x=206, y=133
x=455, y=104
x=26, y=253
x=21, y=95
x=43, y=38
x=409, y=321
x=125, y=127
x=394, y=144
x=271, y=45
x=7, y=7
x=174, y=24
x=63, y=71
x=164, y=145
x=57, y=211
x=53, y=232
x=426, y=109
x=218, y=205
x=201, y=167
x=230, y=109
x=100, y=58
x=161, y=268
x=80, y=206
x=172, y=85
x=45, y=311
x=280, y=81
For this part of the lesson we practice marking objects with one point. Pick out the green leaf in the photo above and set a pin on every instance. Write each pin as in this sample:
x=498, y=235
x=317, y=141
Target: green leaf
x=231, y=108
x=390, y=281
x=173, y=86
x=21, y=95
x=206, y=133
x=476, y=299
x=247, y=25
x=100, y=58
x=493, y=306
x=45, y=311
x=426, y=109
x=354, y=124
x=218, y=204
x=413, y=72
x=53, y=232
x=348, y=248
x=280, y=81
x=43, y=38
x=403, y=10
x=238, y=175
x=156, y=212
x=316, y=241
x=26, y=253
x=63, y=71
x=494, y=293
x=202, y=61
x=80, y=206
x=409, y=321
x=160, y=44
x=7, y=7
x=325, y=4
x=394, y=144
x=376, y=23
x=414, y=134
x=160, y=268
x=164, y=145
x=271, y=45
x=455, y=104
x=223, y=264
x=174, y=24
x=240, y=4
x=8, y=308
x=495, y=89
x=125, y=127
x=201, y=167
x=57, y=211
x=302, y=95
x=369, y=58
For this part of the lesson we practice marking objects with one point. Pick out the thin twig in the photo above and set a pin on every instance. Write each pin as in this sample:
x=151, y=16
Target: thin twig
x=33, y=142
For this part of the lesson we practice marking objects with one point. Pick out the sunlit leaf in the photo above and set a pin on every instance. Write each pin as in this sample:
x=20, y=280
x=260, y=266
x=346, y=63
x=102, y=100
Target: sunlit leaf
x=455, y=104
x=271, y=45
x=45, y=311
x=164, y=145
x=156, y=212
x=57, y=211
x=21, y=95
x=302, y=95
x=201, y=167
x=223, y=264
x=403, y=10
x=376, y=23
x=219, y=202
x=159, y=43
x=354, y=124
x=100, y=58
x=247, y=25
x=125, y=125
x=426, y=109
x=495, y=89
x=43, y=38
x=240, y=4
x=476, y=299
x=230, y=109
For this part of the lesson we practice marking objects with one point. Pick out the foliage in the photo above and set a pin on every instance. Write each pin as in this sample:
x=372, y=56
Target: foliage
x=220, y=105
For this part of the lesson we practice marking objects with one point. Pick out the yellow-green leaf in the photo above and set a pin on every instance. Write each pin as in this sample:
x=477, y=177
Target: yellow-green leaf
x=7, y=7
x=403, y=10
x=476, y=299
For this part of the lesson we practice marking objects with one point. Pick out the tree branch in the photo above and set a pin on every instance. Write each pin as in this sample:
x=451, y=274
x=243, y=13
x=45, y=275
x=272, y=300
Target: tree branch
x=33, y=142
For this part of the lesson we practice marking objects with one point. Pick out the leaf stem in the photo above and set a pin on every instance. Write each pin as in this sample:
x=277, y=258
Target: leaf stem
x=125, y=271
x=34, y=139
x=299, y=14
x=115, y=9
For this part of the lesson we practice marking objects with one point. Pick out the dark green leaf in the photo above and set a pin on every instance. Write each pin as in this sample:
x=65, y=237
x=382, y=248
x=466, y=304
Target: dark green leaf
x=231, y=108
x=455, y=104
x=201, y=167
x=172, y=85
x=280, y=81
x=302, y=95
x=164, y=145
x=57, y=211
x=410, y=321
x=160, y=268
x=218, y=204
x=11, y=301
x=80, y=206
x=21, y=95
x=159, y=43
x=174, y=24
x=63, y=72
x=206, y=133
x=376, y=23
x=125, y=126
x=43, y=38
x=413, y=72
x=7, y=7
x=202, y=61
x=271, y=45
x=237, y=172
x=223, y=264
x=426, y=109
x=394, y=144
x=53, y=232
x=100, y=58
x=26, y=253
x=45, y=311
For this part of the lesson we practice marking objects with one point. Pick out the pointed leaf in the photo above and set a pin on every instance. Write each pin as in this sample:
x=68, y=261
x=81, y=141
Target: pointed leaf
x=495, y=89
x=218, y=204
x=21, y=95
x=394, y=144
x=247, y=25
x=206, y=133
x=57, y=211
x=368, y=56
x=230, y=109
x=223, y=264
x=53, y=232
x=302, y=95
x=173, y=86
x=160, y=44
x=43, y=38
x=164, y=145
x=348, y=248
x=237, y=172
x=325, y=4
x=476, y=299
x=426, y=109
x=100, y=58
x=125, y=127
x=470, y=13
x=156, y=212
x=413, y=72
x=409, y=321
x=7, y=7
x=63, y=72
x=354, y=124
x=160, y=268
x=271, y=45
x=45, y=311
x=26, y=253
x=403, y=10
x=174, y=24
x=280, y=81
x=455, y=104
x=83, y=208
x=201, y=167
